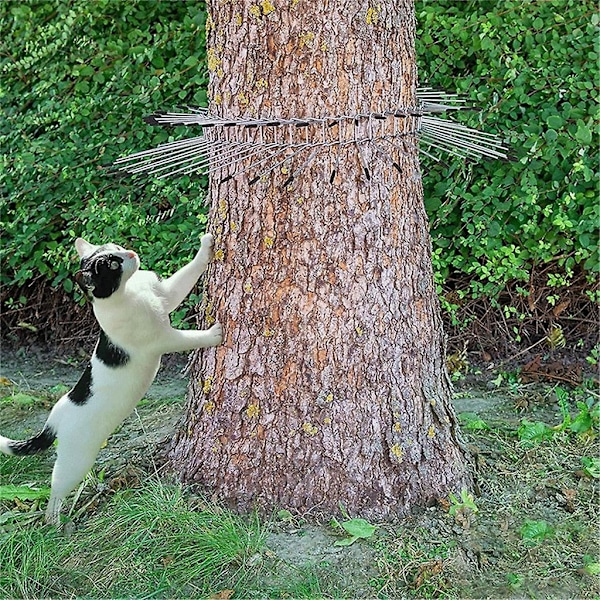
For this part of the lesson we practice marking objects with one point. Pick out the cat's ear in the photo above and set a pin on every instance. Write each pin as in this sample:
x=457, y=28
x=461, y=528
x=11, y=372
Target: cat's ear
x=83, y=248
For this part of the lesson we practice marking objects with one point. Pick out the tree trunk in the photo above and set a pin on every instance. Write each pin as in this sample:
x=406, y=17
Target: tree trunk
x=331, y=385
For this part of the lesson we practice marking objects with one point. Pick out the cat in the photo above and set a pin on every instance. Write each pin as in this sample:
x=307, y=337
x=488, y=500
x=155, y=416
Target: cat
x=132, y=307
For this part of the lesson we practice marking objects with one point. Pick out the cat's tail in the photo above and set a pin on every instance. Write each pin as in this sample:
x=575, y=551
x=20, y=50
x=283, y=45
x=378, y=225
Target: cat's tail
x=37, y=443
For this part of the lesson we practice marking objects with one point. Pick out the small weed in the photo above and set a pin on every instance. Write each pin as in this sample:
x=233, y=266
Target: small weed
x=511, y=380
x=531, y=434
x=472, y=422
x=591, y=565
x=534, y=532
x=591, y=466
x=584, y=424
x=587, y=419
x=463, y=510
x=466, y=502
x=58, y=390
x=514, y=580
x=594, y=356
x=358, y=529
x=19, y=399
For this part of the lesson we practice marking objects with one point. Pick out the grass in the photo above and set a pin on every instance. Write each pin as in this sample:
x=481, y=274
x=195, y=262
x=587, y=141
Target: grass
x=529, y=531
x=533, y=533
x=145, y=543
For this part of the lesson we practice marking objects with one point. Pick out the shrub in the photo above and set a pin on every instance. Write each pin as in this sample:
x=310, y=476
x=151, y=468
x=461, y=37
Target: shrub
x=78, y=78
x=531, y=67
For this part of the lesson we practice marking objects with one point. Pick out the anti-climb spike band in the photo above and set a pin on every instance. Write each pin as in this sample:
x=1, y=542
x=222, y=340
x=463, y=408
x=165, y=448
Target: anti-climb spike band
x=263, y=145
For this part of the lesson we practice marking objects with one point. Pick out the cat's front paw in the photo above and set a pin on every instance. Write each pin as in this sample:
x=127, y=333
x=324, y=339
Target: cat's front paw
x=207, y=243
x=215, y=335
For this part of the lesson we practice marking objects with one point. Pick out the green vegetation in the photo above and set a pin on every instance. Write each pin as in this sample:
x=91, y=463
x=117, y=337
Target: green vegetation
x=78, y=77
x=531, y=67
x=146, y=542
x=357, y=529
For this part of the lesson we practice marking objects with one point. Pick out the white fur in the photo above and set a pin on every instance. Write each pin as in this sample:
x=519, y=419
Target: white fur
x=135, y=318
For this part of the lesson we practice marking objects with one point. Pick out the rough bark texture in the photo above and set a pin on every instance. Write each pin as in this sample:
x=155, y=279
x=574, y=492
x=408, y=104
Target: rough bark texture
x=330, y=386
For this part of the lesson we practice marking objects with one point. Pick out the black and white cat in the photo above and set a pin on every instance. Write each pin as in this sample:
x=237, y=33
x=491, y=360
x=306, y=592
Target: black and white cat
x=132, y=307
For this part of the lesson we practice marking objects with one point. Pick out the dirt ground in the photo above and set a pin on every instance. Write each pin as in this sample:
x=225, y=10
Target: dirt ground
x=480, y=555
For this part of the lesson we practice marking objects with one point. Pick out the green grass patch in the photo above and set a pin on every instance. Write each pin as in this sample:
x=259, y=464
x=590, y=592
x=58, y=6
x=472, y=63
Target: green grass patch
x=146, y=543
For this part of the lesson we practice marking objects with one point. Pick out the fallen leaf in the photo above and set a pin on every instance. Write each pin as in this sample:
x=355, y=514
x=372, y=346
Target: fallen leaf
x=222, y=595
x=560, y=307
x=427, y=570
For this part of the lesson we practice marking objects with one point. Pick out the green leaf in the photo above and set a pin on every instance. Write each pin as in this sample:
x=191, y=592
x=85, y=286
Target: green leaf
x=592, y=568
x=158, y=61
x=591, y=466
x=472, y=422
x=346, y=541
x=583, y=134
x=359, y=528
x=432, y=204
x=191, y=61
x=356, y=528
x=86, y=71
x=536, y=531
x=534, y=433
x=23, y=492
x=554, y=122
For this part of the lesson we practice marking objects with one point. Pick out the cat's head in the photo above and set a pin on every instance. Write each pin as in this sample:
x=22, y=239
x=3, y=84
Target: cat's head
x=104, y=269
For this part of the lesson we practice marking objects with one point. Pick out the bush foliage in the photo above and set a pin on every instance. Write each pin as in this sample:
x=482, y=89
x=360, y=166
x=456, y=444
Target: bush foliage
x=78, y=76
x=532, y=67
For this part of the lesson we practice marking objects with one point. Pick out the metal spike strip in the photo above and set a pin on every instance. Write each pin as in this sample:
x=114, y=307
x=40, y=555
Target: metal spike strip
x=261, y=146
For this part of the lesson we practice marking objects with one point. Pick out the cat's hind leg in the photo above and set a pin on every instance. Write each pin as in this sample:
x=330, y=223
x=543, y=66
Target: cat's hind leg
x=75, y=458
x=180, y=284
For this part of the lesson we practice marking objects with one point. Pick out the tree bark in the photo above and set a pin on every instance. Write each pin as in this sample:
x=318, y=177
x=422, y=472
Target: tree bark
x=331, y=385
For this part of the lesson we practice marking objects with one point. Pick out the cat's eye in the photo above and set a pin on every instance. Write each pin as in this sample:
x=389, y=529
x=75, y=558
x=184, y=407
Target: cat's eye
x=114, y=265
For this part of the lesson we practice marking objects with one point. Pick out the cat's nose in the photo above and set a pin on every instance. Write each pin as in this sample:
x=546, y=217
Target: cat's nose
x=131, y=255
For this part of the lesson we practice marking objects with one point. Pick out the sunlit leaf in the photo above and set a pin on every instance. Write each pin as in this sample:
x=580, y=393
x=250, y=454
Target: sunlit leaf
x=23, y=492
x=359, y=528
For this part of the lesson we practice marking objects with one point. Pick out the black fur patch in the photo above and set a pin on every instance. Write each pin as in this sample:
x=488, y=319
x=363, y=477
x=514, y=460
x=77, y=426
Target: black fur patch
x=97, y=276
x=110, y=354
x=80, y=394
x=39, y=442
